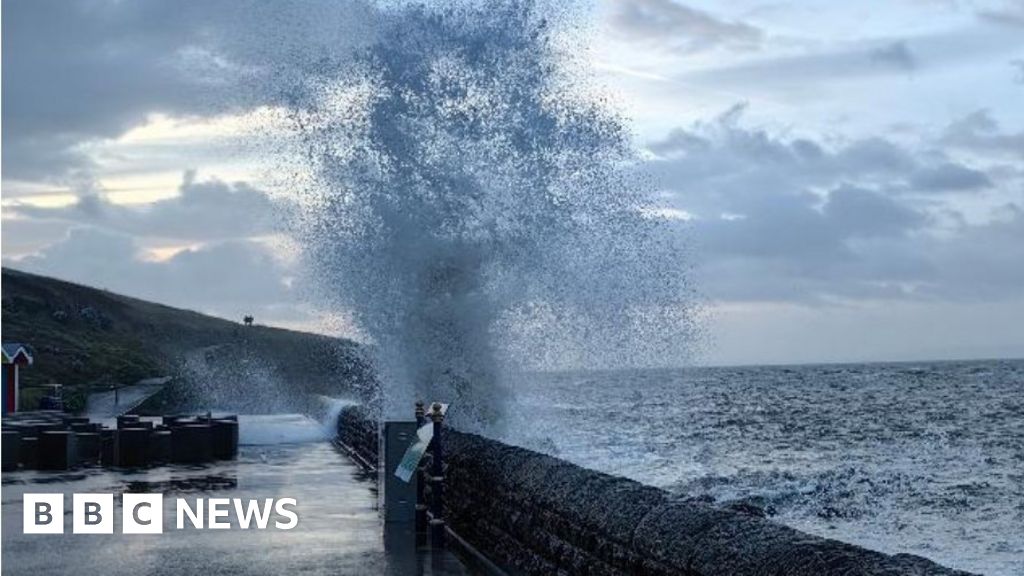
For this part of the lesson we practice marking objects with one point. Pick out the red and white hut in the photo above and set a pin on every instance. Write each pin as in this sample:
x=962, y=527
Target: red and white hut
x=14, y=357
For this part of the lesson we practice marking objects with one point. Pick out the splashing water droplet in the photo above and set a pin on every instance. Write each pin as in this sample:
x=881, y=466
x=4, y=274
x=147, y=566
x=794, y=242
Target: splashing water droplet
x=476, y=209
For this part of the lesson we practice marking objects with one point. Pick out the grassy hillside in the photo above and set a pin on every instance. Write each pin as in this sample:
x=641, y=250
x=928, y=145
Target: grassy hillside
x=86, y=338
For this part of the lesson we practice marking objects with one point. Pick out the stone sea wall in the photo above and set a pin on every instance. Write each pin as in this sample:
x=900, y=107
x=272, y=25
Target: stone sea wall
x=534, y=514
x=359, y=434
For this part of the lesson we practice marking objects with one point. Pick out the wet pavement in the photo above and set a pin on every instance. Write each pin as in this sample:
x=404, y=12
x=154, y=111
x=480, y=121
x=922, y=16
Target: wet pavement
x=113, y=403
x=338, y=532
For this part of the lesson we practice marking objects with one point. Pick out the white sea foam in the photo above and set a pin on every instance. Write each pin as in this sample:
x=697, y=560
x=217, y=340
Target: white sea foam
x=280, y=429
x=922, y=458
x=319, y=423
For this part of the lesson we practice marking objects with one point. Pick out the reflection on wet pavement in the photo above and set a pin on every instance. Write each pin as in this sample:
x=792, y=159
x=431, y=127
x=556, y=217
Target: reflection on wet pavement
x=339, y=530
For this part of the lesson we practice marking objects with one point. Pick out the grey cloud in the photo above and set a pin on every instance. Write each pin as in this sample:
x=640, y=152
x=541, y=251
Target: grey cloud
x=42, y=156
x=740, y=160
x=792, y=241
x=982, y=262
x=677, y=26
x=223, y=278
x=798, y=257
x=23, y=236
x=855, y=212
x=852, y=62
x=802, y=221
x=1018, y=66
x=863, y=59
x=1009, y=13
x=896, y=55
x=876, y=156
x=979, y=132
x=949, y=177
x=203, y=210
x=76, y=71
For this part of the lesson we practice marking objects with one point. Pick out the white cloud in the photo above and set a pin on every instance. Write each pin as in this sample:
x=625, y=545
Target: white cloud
x=202, y=210
x=679, y=27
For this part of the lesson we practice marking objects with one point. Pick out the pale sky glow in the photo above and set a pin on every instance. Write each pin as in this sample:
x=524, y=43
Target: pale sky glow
x=850, y=175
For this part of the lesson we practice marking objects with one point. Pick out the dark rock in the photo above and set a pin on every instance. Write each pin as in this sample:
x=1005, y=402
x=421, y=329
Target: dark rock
x=94, y=318
x=752, y=506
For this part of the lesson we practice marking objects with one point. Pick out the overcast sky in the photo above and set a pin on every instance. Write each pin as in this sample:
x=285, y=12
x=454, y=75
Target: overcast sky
x=851, y=175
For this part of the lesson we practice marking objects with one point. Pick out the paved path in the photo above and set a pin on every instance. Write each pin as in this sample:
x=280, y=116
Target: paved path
x=110, y=404
x=339, y=529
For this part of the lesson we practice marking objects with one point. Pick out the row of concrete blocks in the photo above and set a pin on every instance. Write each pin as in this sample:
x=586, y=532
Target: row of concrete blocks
x=55, y=441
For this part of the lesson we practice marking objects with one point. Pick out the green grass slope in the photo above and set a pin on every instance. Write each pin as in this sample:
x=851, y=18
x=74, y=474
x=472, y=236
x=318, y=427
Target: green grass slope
x=86, y=339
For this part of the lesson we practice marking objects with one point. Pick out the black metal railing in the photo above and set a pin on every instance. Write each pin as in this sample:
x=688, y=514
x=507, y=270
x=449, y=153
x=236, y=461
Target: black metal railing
x=430, y=481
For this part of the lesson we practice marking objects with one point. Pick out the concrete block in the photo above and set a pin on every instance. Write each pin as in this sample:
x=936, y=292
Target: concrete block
x=160, y=444
x=56, y=450
x=127, y=420
x=225, y=439
x=191, y=443
x=84, y=427
x=88, y=444
x=29, y=452
x=107, y=447
x=170, y=419
x=131, y=447
x=11, y=450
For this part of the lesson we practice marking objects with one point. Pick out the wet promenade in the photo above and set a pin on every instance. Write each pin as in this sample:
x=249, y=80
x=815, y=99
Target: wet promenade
x=338, y=532
x=112, y=403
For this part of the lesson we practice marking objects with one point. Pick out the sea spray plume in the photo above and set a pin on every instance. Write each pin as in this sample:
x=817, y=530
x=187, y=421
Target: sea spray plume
x=233, y=378
x=471, y=209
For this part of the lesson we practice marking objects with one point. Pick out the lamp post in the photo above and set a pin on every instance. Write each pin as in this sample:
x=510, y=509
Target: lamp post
x=437, y=531
x=421, y=479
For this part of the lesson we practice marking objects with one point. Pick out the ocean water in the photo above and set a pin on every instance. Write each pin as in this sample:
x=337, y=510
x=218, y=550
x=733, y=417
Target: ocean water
x=923, y=458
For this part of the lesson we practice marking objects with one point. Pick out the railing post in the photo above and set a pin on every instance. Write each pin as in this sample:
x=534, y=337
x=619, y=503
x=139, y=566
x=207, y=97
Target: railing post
x=437, y=530
x=421, y=480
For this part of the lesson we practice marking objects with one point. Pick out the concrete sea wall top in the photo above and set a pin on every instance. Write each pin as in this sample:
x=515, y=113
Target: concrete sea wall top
x=535, y=514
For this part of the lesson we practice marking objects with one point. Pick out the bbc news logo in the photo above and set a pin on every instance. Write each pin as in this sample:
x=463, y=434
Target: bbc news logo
x=144, y=513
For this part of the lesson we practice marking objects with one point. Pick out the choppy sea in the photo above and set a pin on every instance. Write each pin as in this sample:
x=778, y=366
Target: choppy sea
x=924, y=458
